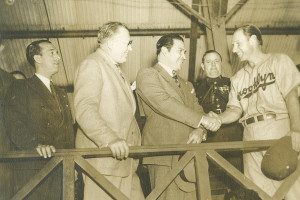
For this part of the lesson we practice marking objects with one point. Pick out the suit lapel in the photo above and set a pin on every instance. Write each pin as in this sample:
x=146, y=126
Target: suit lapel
x=170, y=80
x=39, y=87
x=123, y=84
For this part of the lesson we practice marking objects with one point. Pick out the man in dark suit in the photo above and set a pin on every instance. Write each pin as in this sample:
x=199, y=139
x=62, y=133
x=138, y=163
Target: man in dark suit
x=38, y=116
x=5, y=171
x=173, y=114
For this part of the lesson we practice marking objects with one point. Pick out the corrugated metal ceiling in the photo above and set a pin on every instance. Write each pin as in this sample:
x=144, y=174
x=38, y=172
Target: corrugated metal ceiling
x=39, y=15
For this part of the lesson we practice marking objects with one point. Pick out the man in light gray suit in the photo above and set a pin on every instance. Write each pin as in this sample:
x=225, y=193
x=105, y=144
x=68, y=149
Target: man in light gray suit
x=105, y=111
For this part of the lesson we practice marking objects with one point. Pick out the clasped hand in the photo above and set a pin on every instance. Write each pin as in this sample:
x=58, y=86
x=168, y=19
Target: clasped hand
x=211, y=121
x=197, y=136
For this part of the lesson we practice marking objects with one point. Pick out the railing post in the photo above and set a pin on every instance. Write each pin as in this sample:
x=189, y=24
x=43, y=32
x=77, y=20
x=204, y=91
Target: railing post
x=68, y=178
x=202, y=176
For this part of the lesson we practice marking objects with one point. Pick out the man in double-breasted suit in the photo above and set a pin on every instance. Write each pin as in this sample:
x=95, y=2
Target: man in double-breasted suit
x=173, y=114
x=105, y=111
x=38, y=116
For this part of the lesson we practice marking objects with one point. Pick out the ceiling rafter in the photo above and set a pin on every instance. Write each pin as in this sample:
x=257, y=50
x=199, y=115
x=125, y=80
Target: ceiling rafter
x=235, y=9
x=190, y=11
x=135, y=32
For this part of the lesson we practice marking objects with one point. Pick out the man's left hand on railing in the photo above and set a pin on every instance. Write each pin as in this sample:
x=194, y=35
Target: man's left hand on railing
x=45, y=150
x=119, y=149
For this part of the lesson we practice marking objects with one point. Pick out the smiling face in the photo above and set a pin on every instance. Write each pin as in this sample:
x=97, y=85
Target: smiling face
x=120, y=45
x=48, y=59
x=241, y=45
x=212, y=65
x=176, y=55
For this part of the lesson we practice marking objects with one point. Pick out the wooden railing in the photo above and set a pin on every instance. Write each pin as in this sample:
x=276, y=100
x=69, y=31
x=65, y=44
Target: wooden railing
x=199, y=152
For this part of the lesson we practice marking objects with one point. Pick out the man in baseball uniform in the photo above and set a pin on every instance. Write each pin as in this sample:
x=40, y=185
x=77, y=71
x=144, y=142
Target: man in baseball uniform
x=264, y=97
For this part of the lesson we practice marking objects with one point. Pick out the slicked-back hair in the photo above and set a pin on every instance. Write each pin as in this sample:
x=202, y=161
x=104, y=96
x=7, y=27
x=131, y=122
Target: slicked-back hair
x=167, y=41
x=17, y=72
x=208, y=52
x=250, y=30
x=108, y=29
x=33, y=49
x=298, y=67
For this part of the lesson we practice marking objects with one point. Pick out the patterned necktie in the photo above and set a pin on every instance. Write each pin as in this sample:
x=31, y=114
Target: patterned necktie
x=175, y=77
x=120, y=72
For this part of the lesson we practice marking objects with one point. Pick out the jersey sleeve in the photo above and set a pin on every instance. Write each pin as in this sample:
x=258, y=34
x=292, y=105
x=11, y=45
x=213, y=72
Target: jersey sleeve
x=233, y=100
x=286, y=74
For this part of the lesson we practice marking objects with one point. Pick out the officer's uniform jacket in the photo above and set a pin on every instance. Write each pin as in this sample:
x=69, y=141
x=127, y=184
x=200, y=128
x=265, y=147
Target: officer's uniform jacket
x=213, y=93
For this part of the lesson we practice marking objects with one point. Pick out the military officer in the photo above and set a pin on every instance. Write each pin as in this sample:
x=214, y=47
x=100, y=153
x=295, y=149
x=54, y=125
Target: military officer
x=212, y=93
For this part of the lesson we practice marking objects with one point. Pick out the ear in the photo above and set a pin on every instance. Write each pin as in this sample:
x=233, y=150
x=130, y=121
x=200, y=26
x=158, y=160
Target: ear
x=253, y=39
x=202, y=66
x=110, y=43
x=37, y=58
x=164, y=50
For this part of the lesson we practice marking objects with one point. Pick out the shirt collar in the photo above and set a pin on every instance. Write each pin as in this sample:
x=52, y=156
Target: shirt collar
x=167, y=68
x=45, y=80
x=107, y=56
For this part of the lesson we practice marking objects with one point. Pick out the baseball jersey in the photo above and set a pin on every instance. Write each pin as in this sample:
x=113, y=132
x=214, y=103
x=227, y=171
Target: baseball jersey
x=262, y=89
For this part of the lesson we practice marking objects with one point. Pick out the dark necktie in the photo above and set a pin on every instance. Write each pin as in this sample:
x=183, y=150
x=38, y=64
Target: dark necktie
x=55, y=96
x=175, y=77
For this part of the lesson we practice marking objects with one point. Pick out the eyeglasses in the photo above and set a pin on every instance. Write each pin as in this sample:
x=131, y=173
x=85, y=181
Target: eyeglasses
x=128, y=44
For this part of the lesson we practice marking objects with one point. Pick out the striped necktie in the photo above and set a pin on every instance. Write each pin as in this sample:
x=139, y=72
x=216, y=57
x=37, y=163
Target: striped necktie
x=175, y=77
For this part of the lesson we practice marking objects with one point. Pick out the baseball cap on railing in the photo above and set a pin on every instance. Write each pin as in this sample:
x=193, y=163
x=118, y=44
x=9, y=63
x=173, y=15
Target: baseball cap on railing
x=280, y=160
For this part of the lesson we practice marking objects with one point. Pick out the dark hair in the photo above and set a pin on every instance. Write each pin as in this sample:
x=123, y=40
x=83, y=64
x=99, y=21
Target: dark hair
x=19, y=73
x=208, y=52
x=250, y=30
x=167, y=41
x=298, y=67
x=34, y=49
x=108, y=29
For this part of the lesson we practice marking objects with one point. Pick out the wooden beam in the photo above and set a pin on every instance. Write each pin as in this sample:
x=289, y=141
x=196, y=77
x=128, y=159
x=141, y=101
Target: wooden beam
x=233, y=172
x=202, y=176
x=234, y=10
x=33, y=182
x=155, y=150
x=170, y=176
x=287, y=184
x=136, y=32
x=209, y=37
x=68, y=178
x=217, y=37
x=88, y=33
x=103, y=183
x=191, y=12
x=223, y=5
x=193, y=42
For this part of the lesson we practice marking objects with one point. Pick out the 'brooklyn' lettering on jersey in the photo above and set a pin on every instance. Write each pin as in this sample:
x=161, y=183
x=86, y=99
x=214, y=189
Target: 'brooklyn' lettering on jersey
x=259, y=81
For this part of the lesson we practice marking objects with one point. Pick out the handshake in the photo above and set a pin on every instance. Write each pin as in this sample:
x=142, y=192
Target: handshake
x=211, y=121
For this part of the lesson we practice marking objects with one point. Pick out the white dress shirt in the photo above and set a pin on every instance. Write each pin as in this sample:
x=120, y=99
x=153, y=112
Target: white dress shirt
x=167, y=68
x=45, y=80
